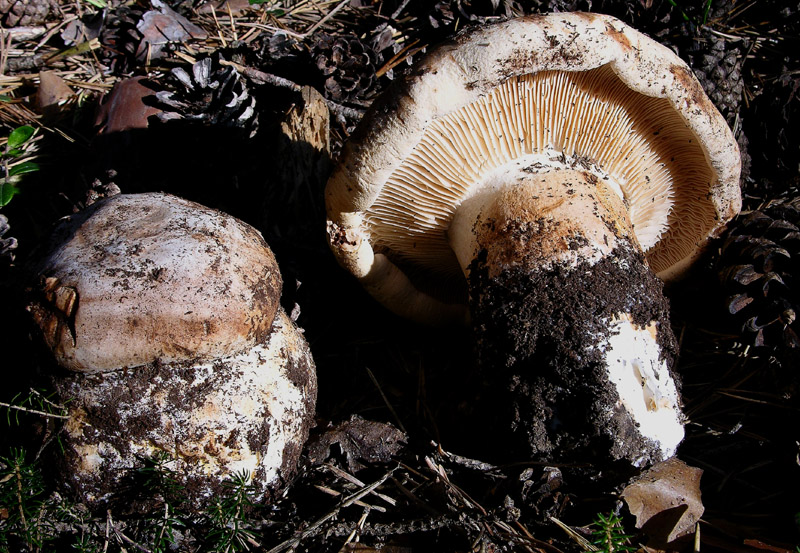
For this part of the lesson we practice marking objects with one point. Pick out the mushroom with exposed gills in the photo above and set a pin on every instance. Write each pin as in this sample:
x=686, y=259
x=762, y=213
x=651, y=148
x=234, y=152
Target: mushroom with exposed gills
x=164, y=317
x=540, y=177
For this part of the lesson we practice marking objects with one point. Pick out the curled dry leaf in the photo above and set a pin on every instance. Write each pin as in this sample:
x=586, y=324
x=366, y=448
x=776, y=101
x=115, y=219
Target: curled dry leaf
x=666, y=501
x=361, y=441
x=87, y=28
x=52, y=93
x=124, y=107
x=161, y=26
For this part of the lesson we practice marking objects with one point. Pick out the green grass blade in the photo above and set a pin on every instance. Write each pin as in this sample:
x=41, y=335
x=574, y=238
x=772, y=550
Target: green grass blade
x=23, y=168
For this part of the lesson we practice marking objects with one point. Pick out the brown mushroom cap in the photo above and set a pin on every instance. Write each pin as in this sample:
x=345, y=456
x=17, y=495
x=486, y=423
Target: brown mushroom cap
x=558, y=90
x=139, y=278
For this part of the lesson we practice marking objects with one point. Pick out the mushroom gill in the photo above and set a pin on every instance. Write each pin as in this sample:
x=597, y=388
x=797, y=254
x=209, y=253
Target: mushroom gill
x=589, y=119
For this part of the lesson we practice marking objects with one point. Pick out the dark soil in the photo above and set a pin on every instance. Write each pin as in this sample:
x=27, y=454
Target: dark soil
x=538, y=336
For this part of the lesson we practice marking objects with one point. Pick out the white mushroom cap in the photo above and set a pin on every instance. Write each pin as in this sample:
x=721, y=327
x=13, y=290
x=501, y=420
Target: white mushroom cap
x=568, y=88
x=138, y=278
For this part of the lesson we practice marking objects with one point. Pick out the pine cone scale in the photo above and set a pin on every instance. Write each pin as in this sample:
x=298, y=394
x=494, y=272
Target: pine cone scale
x=758, y=266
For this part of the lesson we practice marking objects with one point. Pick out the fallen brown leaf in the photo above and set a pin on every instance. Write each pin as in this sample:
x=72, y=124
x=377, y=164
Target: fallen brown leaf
x=360, y=440
x=666, y=501
x=123, y=108
x=161, y=26
x=52, y=92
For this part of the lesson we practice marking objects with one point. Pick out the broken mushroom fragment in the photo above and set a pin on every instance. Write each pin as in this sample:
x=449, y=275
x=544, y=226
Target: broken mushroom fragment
x=533, y=177
x=166, y=315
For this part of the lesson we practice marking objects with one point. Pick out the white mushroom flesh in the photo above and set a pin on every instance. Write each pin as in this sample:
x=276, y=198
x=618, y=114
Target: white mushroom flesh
x=643, y=382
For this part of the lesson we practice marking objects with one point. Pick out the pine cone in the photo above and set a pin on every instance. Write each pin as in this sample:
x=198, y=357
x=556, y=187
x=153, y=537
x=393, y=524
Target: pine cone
x=718, y=66
x=120, y=39
x=214, y=94
x=279, y=46
x=759, y=267
x=717, y=63
x=349, y=65
x=7, y=245
x=26, y=12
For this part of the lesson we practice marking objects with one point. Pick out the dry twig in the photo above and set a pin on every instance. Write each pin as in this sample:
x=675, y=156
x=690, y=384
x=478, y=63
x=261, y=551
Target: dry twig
x=261, y=78
x=349, y=500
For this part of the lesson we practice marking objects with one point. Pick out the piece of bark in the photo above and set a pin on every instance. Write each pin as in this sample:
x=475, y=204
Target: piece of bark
x=309, y=122
x=304, y=150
